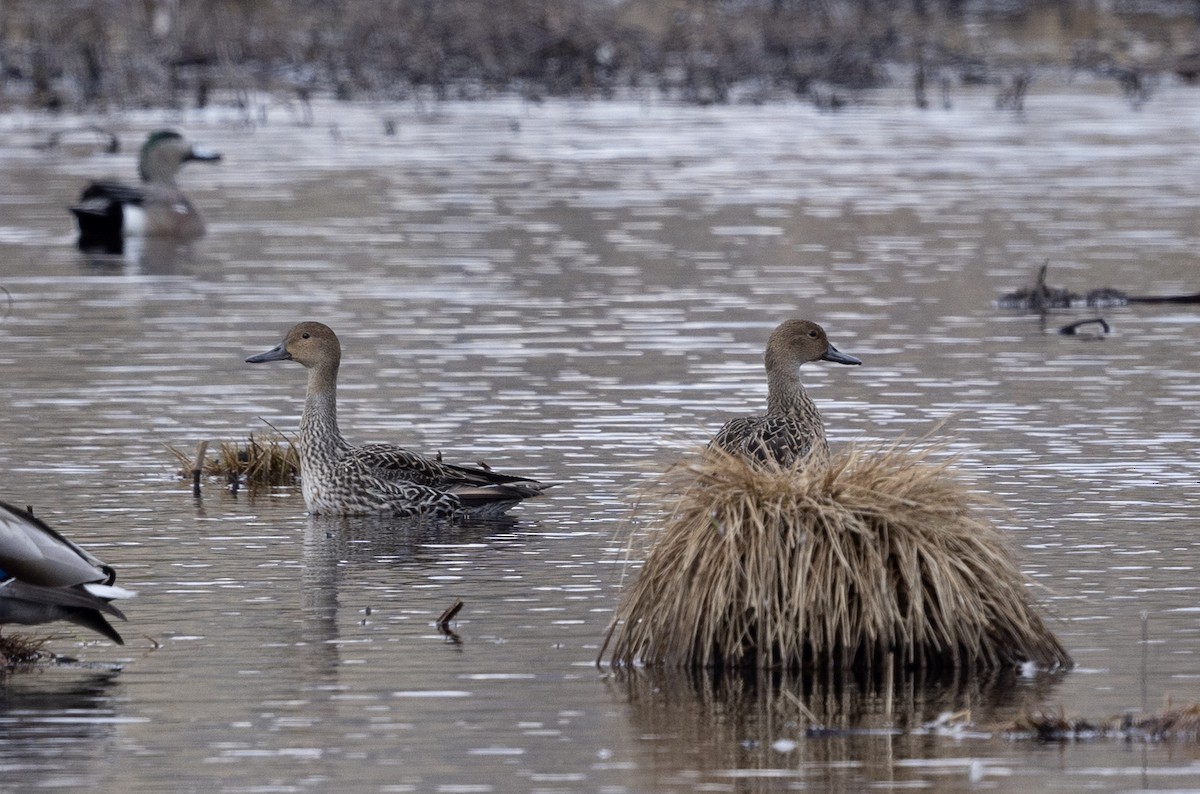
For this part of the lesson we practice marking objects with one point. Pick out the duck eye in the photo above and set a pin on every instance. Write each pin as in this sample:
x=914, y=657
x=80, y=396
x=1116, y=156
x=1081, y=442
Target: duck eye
x=305, y=335
x=812, y=334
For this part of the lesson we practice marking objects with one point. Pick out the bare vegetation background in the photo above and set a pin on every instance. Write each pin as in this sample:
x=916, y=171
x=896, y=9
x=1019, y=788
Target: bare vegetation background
x=74, y=55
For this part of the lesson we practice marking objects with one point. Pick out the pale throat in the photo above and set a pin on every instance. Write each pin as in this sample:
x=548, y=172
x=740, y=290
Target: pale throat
x=318, y=425
x=786, y=395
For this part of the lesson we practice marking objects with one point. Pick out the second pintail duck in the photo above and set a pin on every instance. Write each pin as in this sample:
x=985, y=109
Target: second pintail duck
x=340, y=479
x=792, y=427
x=44, y=577
x=108, y=212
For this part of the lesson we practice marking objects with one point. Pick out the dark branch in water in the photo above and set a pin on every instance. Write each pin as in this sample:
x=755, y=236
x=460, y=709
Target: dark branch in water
x=198, y=467
x=1041, y=298
x=443, y=622
x=1073, y=328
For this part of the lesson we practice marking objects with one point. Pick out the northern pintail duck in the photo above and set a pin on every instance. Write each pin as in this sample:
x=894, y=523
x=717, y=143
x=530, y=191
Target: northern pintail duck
x=340, y=479
x=44, y=577
x=792, y=427
x=108, y=212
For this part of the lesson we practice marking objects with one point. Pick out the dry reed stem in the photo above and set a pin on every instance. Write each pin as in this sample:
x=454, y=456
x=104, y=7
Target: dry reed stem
x=840, y=565
x=269, y=459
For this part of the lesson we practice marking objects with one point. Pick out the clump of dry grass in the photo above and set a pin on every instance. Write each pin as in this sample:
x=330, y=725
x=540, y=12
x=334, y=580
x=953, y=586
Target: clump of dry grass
x=1181, y=723
x=19, y=651
x=269, y=459
x=874, y=558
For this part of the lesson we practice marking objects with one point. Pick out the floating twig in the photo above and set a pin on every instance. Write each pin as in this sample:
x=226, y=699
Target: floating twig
x=198, y=467
x=443, y=623
x=1073, y=328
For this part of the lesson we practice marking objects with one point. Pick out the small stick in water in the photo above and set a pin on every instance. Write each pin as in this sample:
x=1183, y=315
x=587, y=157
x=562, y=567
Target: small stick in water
x=1073, y=328
x=198, y=467
x=443, y=623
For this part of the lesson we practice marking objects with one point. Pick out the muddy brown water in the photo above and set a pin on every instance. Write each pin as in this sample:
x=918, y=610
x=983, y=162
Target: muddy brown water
x=581, y=292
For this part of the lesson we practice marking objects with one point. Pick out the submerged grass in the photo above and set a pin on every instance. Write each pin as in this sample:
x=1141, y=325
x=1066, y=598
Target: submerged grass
x=268, y=459
x=1181, y=723
x=873, y=559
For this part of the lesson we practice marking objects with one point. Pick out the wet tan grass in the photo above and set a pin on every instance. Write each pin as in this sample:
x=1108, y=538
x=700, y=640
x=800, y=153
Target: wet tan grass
x=874, y=558
x=266, y=459
x=19, y=651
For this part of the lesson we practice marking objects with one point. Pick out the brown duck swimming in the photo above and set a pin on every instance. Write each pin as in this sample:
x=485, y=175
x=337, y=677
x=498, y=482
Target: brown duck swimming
x=340, y=479
x=792, y=427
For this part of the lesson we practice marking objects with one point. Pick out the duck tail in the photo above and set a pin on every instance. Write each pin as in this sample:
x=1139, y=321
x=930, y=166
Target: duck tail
x=108, y=592
x=92, y=619
x=475, y=497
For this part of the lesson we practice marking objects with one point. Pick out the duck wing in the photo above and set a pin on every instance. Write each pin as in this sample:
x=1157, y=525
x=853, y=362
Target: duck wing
x=101, y=200
x=36, y=554
x=399, y=497
x=391, y=462
x=405, y=498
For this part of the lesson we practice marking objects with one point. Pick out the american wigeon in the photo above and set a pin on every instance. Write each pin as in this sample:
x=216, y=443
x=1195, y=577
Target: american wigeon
x=108, y=212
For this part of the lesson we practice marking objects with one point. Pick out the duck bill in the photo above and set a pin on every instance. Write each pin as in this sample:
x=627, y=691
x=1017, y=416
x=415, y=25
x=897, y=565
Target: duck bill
x=838, y=357
x=204, y=155
x=277, y=353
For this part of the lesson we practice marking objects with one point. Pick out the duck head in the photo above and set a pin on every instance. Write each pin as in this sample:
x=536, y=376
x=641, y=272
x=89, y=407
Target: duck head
x=165, y=152
x=797, y=342
x=310, y=343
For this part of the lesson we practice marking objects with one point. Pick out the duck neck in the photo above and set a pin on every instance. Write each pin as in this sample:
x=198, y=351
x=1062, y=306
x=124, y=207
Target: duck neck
x=156, y=169
x=786, y=397
x=319, y=433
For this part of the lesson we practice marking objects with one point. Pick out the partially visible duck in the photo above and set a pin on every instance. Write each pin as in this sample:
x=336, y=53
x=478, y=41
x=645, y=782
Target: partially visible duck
x=340, y=479
x=108, y=212
x=44, y=577
x=792, y=426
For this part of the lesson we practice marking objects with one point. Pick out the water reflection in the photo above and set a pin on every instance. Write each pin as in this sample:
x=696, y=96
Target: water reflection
x=58, y=723
x=810, y=727
x=151, y=256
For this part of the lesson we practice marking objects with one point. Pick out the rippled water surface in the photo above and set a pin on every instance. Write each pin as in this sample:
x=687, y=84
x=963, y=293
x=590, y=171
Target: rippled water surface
x=581, y=292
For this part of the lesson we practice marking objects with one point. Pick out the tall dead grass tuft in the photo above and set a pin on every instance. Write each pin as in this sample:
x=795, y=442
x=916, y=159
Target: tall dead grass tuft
x=873, y=559
x=269, y=459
